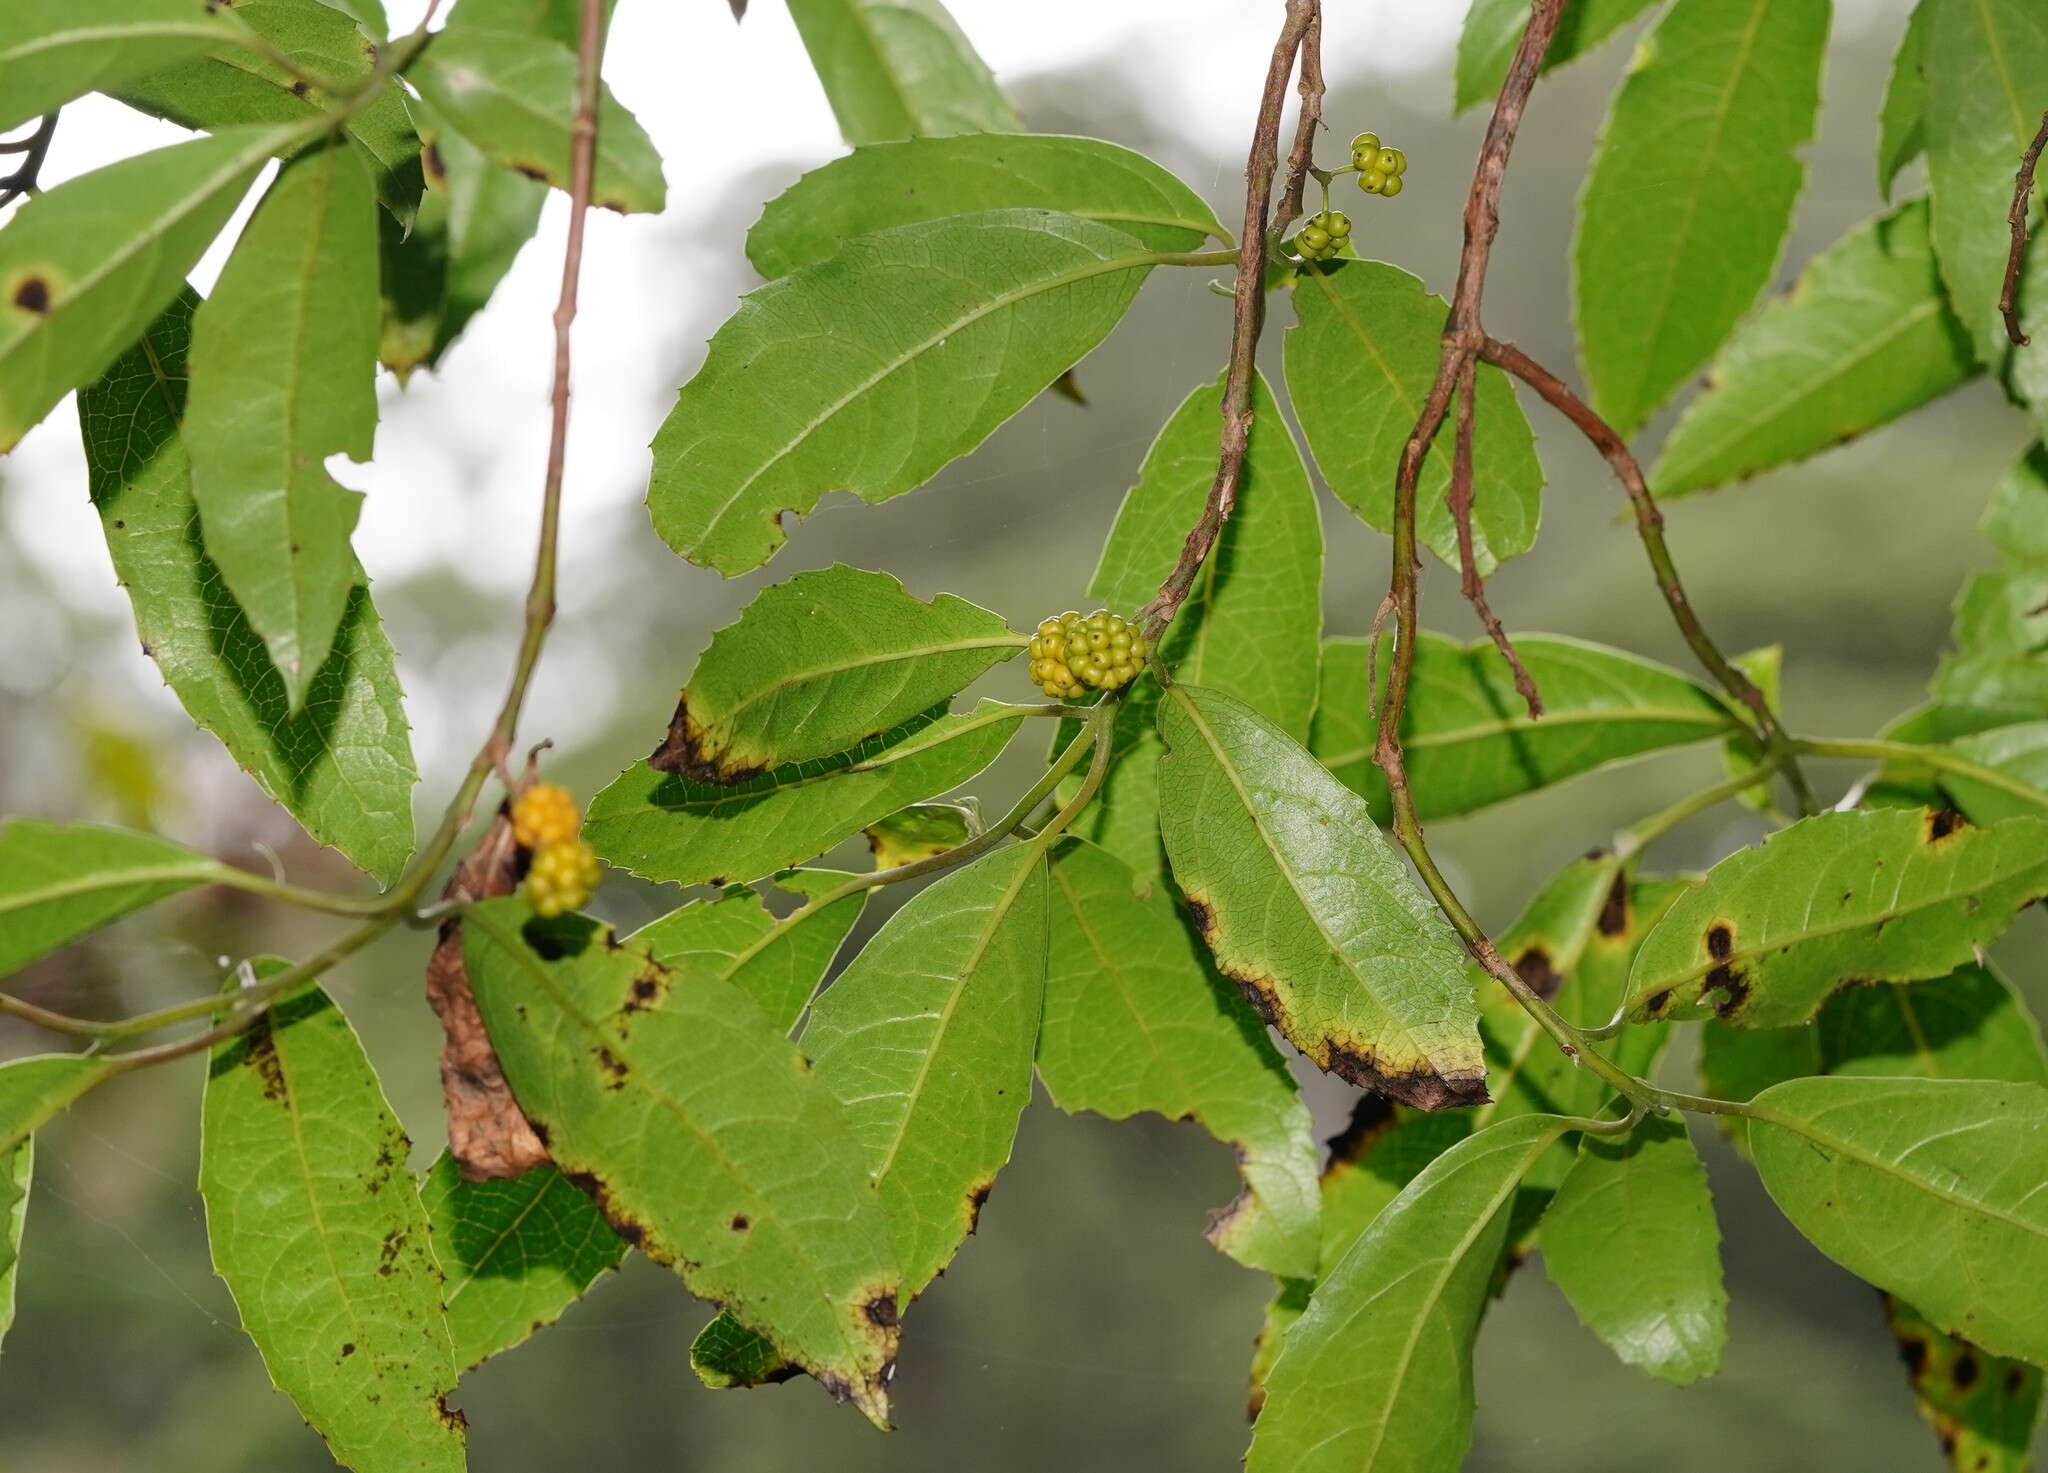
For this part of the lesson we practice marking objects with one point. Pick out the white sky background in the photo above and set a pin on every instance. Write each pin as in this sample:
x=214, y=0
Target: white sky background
x=455, y=480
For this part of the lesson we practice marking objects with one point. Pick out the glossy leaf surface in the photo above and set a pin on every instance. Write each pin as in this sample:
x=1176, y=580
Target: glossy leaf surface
x=899, y=69
x=59, y=882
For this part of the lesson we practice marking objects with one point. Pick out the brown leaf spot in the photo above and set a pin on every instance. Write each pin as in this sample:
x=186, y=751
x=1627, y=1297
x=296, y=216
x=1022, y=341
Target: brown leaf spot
x=435, y=166
x=650, y=986
x=1371, y=1118
x=1614, y=914
x=682, y=754
x=634, y=1232
x=301, y=88
x=740, y=1222
x=1966, y=1369
x=348, y=1349
x=32, y=294
x=1533, y=966
x=1720, y=941
x=1418, y=1085
x=880, y=1311
x=977, y=1198
x=260, y=1054
x=615, y=1071
x=1204, y=916
x=1941, y=822
x=2015, y=1379
x=1656, y=1003
x=1733, y=987
x=450, y=1416
x=1913, y=1351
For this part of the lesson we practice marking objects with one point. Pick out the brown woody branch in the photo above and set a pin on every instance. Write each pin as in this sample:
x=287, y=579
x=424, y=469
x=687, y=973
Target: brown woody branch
x=1301, y=158
x=1469, y=581
x=1248, y=312
x=2016, y=217
x=1650, y=526
x=24, y=177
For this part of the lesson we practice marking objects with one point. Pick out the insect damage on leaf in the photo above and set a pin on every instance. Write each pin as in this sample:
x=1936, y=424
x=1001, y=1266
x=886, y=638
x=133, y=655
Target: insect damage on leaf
x=682, y=753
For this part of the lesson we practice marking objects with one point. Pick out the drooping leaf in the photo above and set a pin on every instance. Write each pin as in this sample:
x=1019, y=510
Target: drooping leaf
x=1309, y=909
x=1360, y=362
x=515, y=1254
x=58, y=882
x=1691, y=192
x=1986, y=69
x=921, y=831
x=675, y=1102
x=1902, y=119
x=15, y=1175
x=899, y=69
x=1928, y=1188
x=1631, y=1240
x=663, y=827
x=317, y=1229
x=283, y=368
x=34, y=1089
x=1983, y=1408
x=85, y=266
x=809, y=388
x=778, y=963
x=1468, y=739
x=926, y=1038
x=514, y=97
x=56, y=50
x=820, y=664
x=1493, y=29
x=1377, y=1373
x=237, y=85
x=1863, y=337
x=343, y=766
x=1252, y=617
x=1136, y=1020
x=1888, y=896
x=889, y=184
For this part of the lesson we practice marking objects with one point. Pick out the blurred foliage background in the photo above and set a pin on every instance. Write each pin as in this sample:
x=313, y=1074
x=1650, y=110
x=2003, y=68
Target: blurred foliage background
x=1088, y=1327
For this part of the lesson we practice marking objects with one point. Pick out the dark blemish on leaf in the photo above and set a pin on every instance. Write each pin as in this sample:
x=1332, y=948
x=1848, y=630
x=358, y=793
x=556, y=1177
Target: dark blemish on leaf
x=260, y=1054
x=1204, y=917
x=2015, y=1379
x=1948, y=1441
x=1419, y=1085
x=634, y=1233
x=1533, y=967
x=681, y=754
x=119, y=525
x=1720, y=941
x=531, y=172
x=149, y=649
x=1913, y=1351
x=33, y=295
x=432, y=162
x=880, y=1311
x=740, y=1222
x=1733, y=987
x=301, y=89
x=1847, y=896
x=450, y=1416
x=1942, y=822
x=1371, y=1118
x=836, y=1386
x=1964, y=1372
x=650, y=985
x=1614, y=914
x=977, y=1198
x=616, y=1072
x=348, y=1349
x=1656, y=1003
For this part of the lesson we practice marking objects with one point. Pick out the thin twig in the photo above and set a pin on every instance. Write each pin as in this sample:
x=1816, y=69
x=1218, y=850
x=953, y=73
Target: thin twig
x=1301, y=158
x=1247, y=318
x=33, y=150
x=1650, y=527
x=1469, y=581
x=2022, y=190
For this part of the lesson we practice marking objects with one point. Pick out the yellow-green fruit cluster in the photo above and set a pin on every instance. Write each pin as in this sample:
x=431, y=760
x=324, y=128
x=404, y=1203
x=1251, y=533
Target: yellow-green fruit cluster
x=561, y=878
x=1323, y=236
x=1379, y=169
x=1074, y=654
x=563, y=873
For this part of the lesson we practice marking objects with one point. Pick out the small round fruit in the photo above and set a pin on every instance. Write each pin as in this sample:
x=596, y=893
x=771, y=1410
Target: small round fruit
x=1366, y=143
x=1315, y=238
x=1372, y=181
x=562, y=877
x=544, y=814
x=1392, y=187
x=1099, y=652
x=1338, y=225
x=1387, y=161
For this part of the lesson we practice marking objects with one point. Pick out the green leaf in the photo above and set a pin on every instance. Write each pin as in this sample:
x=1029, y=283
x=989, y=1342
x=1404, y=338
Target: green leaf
x=820, y=664
x=1888, y=896
x=317, y=1230
x=557, y=20
x=35, y=1089
x=1691, y=192
x=899, y=69
x=1377, y=1374
x=726, y=1354
x=87, y=265
x=888, y=184
x=343, y=766
x=1252, y=617
x=283, y=369
x=1380, y=1151
x=59, y=882
x=1741, y=1063
x=516, y=1253
x=808, y=389
x=778, y=963
x=1290, y=1298
x=1928, y=1188
x=672, y=1100
x=1631, y=1240
x=1863, y=337
x=1360, y=361
x=1984, y=1408
x=514, y=97
x=926, y=1039
x=2000, y=660
x=1470, y=741
x=1741, y=752
x=239, y=85
x=1309, y=909
x=1902, y=119
x=52, y=52
x=2017, y=518
x=1986, y=69
x=921, y=831
x=14, y=1187
x=1136, y=1020
x=1967, y=1025
x=2018, y=752
x=1493, y=29
x=663, y=827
